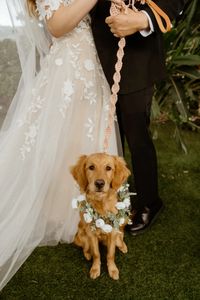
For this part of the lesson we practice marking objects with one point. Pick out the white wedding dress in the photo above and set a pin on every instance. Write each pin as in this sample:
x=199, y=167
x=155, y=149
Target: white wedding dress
x=59, y=118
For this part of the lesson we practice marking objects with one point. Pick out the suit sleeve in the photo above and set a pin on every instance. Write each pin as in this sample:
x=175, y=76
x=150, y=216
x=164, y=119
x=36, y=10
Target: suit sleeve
x=171, y=7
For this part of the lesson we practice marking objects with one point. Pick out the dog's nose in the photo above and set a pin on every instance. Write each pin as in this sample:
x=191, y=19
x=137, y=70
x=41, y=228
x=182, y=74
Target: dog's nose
x=99, y=183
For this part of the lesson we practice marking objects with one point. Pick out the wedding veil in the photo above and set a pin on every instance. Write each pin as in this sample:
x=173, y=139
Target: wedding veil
x=33, y=44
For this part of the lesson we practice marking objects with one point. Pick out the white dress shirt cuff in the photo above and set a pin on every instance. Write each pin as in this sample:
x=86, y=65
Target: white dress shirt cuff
x=147, y=32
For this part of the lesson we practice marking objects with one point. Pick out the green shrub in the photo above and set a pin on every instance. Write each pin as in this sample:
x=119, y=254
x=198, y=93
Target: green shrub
x=178, y=97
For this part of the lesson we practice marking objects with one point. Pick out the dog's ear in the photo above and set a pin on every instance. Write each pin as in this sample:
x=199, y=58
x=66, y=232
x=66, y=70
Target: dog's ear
x=78, y=172
x=121, y=173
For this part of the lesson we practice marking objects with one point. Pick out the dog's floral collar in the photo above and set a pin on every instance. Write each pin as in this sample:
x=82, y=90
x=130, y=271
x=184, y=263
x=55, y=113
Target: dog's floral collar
x=110, y=221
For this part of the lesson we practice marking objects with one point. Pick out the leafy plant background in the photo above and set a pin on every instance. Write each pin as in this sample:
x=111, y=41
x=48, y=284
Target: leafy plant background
x=178, y=97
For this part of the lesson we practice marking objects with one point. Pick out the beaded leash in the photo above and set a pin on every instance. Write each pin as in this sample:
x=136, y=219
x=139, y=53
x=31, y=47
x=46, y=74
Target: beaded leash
x=115, y=10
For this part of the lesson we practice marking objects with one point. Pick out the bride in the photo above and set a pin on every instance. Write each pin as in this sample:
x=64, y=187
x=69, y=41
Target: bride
x=55, y=116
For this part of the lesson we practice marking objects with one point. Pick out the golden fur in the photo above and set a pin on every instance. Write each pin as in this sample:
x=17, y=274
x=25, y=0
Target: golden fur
x=99, y=176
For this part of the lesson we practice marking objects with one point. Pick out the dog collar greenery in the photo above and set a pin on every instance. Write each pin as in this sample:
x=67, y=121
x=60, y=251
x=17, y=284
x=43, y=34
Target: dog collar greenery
x=110, y=221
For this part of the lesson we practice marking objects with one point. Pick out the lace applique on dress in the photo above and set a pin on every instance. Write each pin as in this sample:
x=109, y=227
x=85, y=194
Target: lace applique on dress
x=31, y=121
x=67, y=91
x=45, y=8
x=90, y=125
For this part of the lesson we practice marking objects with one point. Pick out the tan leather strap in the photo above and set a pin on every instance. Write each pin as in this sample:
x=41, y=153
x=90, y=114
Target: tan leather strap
x=159, y=15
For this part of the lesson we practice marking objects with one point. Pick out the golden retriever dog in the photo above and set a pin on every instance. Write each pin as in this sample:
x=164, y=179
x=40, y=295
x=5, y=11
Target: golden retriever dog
x=99, y=177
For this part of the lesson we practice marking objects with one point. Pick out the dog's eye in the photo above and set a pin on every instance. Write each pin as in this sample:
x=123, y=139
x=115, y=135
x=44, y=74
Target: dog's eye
x=108, y=168
x=91, y=167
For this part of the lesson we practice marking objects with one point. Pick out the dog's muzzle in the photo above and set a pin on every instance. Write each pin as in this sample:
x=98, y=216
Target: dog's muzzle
x=99, y=184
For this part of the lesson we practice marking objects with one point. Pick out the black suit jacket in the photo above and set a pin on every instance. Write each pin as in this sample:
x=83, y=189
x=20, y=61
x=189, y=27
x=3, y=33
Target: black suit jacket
x=144, y=59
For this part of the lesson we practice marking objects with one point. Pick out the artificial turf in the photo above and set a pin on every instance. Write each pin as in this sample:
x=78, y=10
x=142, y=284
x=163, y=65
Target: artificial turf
x=163, y=263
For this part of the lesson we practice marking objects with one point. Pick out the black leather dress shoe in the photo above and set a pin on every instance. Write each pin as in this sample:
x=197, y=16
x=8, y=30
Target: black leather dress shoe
x=143, y=220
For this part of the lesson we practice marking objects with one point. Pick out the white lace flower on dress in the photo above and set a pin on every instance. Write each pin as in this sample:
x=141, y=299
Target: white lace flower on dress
x=30, y=138
x=31, y=121
x=44, y=81
x=68, y=91
x=45, y=8
x=68, y=88
x=89, y=65
x=59, y=62
x=90, y=125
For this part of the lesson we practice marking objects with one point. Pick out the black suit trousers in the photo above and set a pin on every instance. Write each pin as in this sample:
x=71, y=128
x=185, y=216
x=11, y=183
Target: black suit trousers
x=133, y=112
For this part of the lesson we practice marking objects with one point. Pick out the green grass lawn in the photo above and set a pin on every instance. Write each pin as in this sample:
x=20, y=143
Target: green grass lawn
x=163, y=263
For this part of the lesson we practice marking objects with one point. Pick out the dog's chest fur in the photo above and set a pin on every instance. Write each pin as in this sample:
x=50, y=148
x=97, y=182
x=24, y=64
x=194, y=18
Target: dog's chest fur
x=102, y=236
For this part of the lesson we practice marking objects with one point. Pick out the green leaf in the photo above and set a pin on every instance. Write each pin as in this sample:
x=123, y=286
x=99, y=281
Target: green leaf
x=189, y=72
x=179, y=101
x=187, y=60
x=155, y=109
x=179, y=140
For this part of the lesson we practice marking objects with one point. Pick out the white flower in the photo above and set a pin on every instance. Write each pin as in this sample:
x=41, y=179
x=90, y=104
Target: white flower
x=99, y=223
x=127, y=202
x=59, y=61
x=120, y=205
x=121, y=189
x=107, y=228
x=121, y=221
x=81, y=198
x=89, y=65
x=74, y=203
x=87, y=217
x=68, y=88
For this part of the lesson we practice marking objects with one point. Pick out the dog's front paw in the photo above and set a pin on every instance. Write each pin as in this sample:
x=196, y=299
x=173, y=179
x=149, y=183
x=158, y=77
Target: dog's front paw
x=113, y=272
x=123, y=248
x=94, y=272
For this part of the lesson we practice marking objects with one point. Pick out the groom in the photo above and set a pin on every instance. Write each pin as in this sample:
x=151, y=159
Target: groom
x=143, y=66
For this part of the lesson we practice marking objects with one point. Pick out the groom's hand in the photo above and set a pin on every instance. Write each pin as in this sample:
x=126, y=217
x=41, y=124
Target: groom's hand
x=126, y=24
